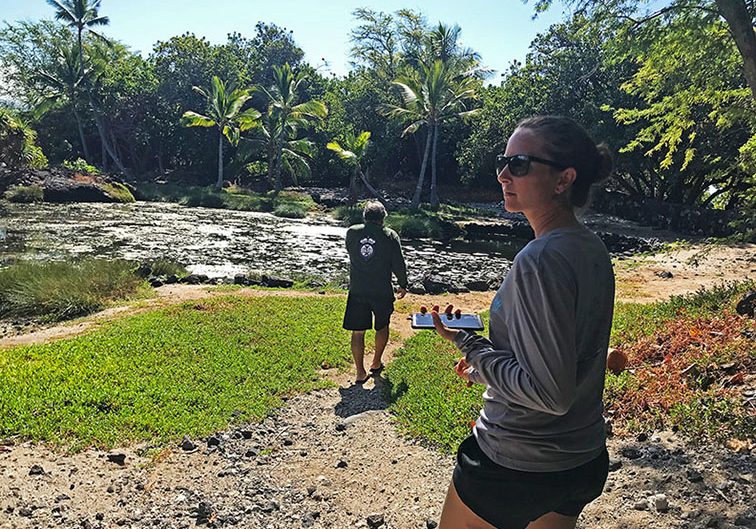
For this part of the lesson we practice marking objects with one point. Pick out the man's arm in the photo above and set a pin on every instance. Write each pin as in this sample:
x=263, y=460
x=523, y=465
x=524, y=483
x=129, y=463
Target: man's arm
x=398, y=265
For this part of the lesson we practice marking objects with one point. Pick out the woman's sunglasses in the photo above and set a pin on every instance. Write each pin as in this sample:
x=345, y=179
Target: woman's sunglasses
x=519, y=164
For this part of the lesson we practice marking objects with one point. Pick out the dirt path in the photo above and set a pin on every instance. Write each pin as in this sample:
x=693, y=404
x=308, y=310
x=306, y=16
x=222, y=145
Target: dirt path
x=333, y=458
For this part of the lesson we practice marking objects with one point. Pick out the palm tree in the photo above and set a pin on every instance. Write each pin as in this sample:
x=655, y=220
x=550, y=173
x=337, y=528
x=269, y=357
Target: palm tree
x=431, y=95
x=353, y=152
x=83, y=15
x=224, y=109
x=285, y=116
x=64, y=82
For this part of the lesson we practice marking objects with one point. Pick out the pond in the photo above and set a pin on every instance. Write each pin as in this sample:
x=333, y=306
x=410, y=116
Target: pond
x=222, y=243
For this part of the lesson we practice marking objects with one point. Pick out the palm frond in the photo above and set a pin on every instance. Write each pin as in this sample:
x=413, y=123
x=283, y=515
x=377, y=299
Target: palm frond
x=192, y=119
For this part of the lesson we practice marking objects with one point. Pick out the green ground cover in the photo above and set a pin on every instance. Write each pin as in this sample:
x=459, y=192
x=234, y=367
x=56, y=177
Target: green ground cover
x=432, y=404
x=190, y=369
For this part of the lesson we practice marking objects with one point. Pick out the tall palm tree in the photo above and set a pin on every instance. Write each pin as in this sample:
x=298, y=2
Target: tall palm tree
x=82, y=15
x=431, y=95
x=64, y=81
x=286, y=115
x=224, y=110
x=353, y=152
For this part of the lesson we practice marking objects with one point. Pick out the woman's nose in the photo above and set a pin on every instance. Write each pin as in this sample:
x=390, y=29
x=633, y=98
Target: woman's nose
x=504, y=175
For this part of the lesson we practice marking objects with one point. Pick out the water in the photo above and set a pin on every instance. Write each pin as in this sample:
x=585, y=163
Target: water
x=222, y=243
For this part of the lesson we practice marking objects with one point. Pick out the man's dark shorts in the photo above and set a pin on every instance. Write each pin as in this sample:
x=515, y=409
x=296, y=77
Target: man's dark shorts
x=360, y=312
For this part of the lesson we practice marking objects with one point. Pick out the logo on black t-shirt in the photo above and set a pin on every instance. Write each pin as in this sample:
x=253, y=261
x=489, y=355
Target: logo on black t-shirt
x=366, y=248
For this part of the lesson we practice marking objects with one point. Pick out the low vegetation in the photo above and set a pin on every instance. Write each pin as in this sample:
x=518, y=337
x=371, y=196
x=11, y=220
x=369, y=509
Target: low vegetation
x=189, y=369
x=410, y=224
x=689, y=360
x=55, y=291
x=284, y=204
x=25, y=194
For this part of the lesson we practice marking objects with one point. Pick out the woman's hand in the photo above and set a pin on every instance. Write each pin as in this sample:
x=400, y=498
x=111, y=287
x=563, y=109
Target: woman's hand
x=463, y=370
x=443, y=331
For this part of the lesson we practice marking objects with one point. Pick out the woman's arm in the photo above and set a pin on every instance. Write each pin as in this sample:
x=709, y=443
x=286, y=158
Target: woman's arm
x=540, y=371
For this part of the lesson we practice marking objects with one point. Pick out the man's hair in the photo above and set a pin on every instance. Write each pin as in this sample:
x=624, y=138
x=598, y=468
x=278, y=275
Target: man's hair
x=374, y=212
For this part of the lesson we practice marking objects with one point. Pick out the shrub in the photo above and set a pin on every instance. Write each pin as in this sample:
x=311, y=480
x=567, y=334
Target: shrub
x=290, y=211
x=81, y=166
x=18, y=146
x=25, y=194
x=166, y=267
x=349, y=215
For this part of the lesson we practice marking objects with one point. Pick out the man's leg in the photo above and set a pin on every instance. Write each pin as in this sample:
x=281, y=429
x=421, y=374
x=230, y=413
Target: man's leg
x=358, y=353
x=381, y=339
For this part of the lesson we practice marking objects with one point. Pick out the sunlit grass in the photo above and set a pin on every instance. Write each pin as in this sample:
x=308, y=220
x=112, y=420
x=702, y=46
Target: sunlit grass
x=190, y=369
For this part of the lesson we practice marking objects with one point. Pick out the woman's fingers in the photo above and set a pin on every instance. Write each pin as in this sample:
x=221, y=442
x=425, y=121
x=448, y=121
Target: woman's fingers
x=441, y=329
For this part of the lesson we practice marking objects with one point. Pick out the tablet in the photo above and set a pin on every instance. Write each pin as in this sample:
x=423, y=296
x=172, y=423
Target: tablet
x=469, y=322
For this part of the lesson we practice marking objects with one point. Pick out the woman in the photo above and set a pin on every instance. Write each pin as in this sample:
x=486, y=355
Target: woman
x=537, y=455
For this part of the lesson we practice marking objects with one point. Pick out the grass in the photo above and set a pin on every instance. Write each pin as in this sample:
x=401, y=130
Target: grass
x=662, y=340
x=190, y=369
x=429, y=401
x=118, y=192
x=284, y=204
x=62, y=290
x=25, y=194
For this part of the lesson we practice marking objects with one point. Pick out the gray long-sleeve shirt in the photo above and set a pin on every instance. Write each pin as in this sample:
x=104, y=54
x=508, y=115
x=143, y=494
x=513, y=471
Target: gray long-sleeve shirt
x=544, y=363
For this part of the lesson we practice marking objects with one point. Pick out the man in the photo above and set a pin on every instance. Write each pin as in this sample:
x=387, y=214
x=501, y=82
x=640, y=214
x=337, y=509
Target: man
x=374, y=253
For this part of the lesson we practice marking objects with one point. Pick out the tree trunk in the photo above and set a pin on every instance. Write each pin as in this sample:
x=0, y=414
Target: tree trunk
x=219, y=183
x=108, y=147
x=421, y=179
x=279, y=155
x=434, y=187
x=81, y=132
x=104, y=157
x=353, y=185
x=739, y=20
x=372, y=190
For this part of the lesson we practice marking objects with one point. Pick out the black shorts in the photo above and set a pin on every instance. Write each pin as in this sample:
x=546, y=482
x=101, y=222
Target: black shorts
x=360, y=311
x=511, y=499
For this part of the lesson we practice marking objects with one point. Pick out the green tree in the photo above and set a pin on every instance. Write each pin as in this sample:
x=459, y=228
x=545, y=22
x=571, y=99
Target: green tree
x=63, y=84
x=432, y=95
x=18, y=147
x=738, y=15
x=224, y=111
x=82, y=15
x=353, y=152
x=286, y=115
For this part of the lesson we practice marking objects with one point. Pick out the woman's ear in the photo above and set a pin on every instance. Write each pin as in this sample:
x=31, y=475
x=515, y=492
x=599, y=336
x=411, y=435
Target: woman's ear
x=566, y=179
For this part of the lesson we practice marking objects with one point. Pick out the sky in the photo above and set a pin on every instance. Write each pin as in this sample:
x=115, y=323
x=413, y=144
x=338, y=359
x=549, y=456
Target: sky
x=500, y=30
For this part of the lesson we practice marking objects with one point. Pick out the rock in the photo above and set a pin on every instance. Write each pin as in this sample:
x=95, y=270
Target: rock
x=614, y=465
x=660, y=503
x=641, y=505
x=276, y=282
x=693, y=475
x=117, y=458
x=204, y=512
x=744, y=521
x=36, y=470
x=213, y=441
x=187, y=445
x=631, y=453
x=665, y=274
x=342, y=464
x=747, y=305
x=430, y=524
x=477, y=285
x=375, y=520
